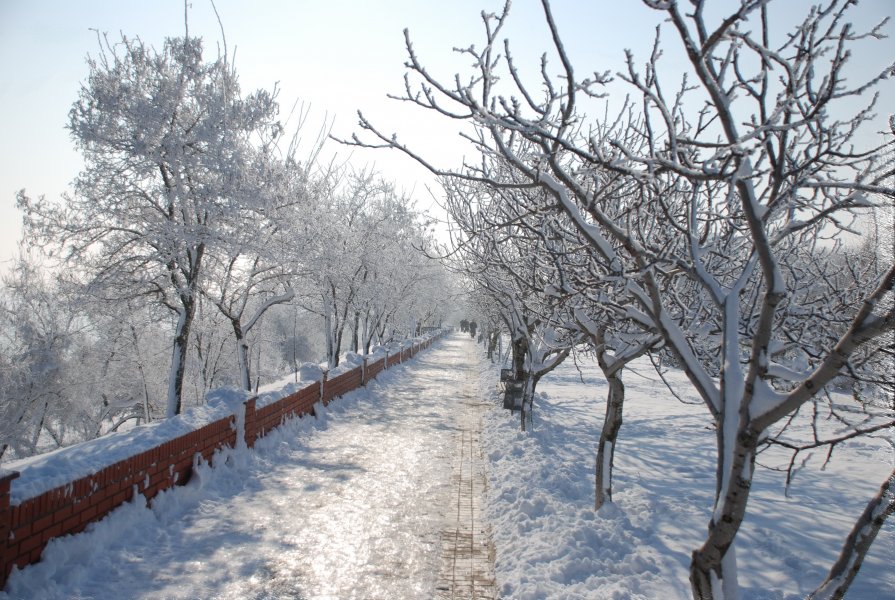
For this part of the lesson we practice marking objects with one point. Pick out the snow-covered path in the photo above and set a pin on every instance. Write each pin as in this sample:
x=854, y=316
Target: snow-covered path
x=348, y=505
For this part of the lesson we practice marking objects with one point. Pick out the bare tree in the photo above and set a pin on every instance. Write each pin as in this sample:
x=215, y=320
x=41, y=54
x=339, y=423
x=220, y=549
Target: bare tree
x=720, y=178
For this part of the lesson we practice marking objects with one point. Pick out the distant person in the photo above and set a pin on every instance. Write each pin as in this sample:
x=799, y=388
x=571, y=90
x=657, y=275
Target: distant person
x=472, y=328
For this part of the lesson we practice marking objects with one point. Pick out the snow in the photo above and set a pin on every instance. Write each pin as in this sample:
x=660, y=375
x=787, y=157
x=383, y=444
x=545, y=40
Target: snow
x=346, y=505
x=350, y=504
x=764, y=398
x=551, y=545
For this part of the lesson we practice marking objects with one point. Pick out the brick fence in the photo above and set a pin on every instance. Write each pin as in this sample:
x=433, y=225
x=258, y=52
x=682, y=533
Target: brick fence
x=27, y=527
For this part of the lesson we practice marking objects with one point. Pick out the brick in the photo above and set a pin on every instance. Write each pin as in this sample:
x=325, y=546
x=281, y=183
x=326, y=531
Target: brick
x=42, y=523
x=40, y=503
x=104, y=477
x=12, y=551
x=99, y=495
x=158, y=477
x=104, y=507
x=48, y=534
x=120, y=498
x=62, y=513
x=78, y=528
x=21, y=513
x=54, y=499
x=88, y=514
x=81, y=488
x=70, y=525
x=152, y=491
x=29, y=544
x=23, y=561
x=20, y=533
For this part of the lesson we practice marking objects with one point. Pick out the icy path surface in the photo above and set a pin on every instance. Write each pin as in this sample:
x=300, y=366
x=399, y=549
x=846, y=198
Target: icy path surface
x=348, y=505
x=467, y=568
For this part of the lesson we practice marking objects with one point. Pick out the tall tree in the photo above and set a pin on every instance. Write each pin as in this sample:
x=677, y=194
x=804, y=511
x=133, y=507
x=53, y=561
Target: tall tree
x=164, y=136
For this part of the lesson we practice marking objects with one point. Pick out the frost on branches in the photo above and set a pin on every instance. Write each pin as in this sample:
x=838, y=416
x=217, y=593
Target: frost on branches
x=716, y=210
x=194, y=252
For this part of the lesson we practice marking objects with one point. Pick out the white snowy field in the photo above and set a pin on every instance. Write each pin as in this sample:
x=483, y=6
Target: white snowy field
x=349, y=505
x=551, y=544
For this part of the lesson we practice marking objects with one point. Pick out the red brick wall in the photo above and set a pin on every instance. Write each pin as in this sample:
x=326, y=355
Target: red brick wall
x=25, y=528
x=69, y=508
x=261, y=420
x=392, y=359
x=373, y=369
x=344, y=383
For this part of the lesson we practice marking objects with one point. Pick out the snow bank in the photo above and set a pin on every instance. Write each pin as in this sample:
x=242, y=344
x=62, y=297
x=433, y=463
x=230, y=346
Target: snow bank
x=552, y=545
x=44, y=472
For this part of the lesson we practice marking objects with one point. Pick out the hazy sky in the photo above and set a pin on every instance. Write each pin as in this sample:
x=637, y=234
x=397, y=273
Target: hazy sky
x=334, y=56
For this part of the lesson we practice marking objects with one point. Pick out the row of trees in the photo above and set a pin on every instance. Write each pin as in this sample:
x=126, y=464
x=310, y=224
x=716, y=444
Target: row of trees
x=706, y=223
x=194, y=232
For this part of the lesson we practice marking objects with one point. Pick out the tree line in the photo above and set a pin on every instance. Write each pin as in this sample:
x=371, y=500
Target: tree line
x=707, y=223
x=194, y=250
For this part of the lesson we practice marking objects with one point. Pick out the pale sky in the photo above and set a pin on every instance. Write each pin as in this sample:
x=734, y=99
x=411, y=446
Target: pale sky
x=335, y=56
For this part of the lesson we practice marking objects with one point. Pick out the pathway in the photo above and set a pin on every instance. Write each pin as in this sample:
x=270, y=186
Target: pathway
x=354, y=505
x=467, y=551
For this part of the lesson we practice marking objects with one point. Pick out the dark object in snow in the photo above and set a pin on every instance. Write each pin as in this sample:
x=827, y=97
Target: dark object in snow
x=512, y=395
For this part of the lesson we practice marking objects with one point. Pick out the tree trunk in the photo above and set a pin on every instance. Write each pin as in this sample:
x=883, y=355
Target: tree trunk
x=178, y=359
x=327, y=326
x=365, y=335
x=294, y=343
x=858, y=543
x=184, y=322
x=528, y=398
x=608, y=436
x=242, y=356
x=147, y=416
x=713, y=571
x=493, y=336
x=337, y=344
x=332, y=357
x=519, y=349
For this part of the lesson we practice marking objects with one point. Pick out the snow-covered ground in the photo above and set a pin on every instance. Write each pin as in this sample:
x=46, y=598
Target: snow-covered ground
x=551, y=544
x=348, y=505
